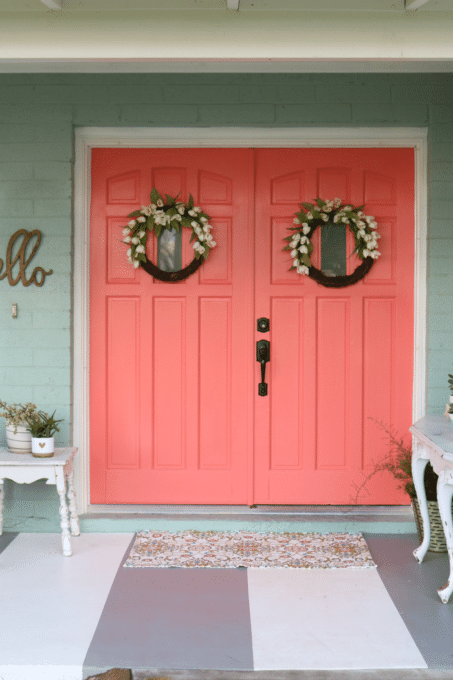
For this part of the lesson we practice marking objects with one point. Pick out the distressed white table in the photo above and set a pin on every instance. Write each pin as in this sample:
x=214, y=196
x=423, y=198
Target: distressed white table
x=24, y=468
x=434, y=443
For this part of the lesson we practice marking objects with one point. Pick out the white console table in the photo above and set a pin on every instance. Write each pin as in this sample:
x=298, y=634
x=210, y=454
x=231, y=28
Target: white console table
x=25, y=468
x=434, y=443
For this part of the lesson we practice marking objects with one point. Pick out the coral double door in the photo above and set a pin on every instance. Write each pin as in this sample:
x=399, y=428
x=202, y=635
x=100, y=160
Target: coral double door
x=175, y=415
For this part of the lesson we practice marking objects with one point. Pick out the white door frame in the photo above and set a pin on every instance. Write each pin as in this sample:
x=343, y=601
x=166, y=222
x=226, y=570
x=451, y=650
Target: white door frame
x=90, y=137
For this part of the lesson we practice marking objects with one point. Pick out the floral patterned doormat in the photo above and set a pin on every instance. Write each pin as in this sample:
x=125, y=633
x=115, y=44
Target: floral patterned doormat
x=234, y=549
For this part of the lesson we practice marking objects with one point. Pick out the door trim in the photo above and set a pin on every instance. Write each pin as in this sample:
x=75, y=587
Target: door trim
x=90, y=137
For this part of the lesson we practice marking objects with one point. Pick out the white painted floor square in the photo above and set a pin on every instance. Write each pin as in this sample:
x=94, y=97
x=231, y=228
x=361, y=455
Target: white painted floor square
x=51, y=604
x=326, y=619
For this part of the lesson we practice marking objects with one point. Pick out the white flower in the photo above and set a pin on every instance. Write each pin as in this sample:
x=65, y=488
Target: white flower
x=140, y=249
x=304, y=239
x=360, y=213
x=195, y=224
x=325, y=218
x=366, y=253
x=208, y=238
x=197, y=210
x=203, y=219
x=146, y=210
x=132, y=223
x=369, y=218
x=181, y=209
x=367, y=237
x=296, y=236
x=136, y=264
x=309, y=216
x=337, y=218
x=361, y=232
x=141, y=219
x=206, y=228
x=327, y=208
x=160, y=203
x=373, y=224
x=126, y=231
x=211, y=244
x=135, y=240
x=302, y=269
x=198, y=229
x=375, y=254
x=347, y=208
x=196, y=245
x=345, y=220
x=201, y=236
x=296, y=220
x=375, y=234
x=305, y=228
x=294, y=253
x=127, y=239
x=129, y=252
x=361, y=224
x=303, y=249
x=192, y=213
x=294, y=244
x=141, y=234
x=296, y=262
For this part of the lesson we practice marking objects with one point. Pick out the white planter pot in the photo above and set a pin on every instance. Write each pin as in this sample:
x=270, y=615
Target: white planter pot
x=19, y=442
x=42, y=447
x=451, y=398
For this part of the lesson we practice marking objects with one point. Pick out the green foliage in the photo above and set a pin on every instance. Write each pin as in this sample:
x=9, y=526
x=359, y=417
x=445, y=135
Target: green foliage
x=450, y=382
x=43, y=425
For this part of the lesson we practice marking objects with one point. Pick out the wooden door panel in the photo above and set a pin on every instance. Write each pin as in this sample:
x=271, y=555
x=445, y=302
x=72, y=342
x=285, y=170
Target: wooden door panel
x=314, y=432
x=171, y=363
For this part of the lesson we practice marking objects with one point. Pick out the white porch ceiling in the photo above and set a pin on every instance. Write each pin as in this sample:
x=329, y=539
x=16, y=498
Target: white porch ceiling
x=226, y=35
x=221, y=5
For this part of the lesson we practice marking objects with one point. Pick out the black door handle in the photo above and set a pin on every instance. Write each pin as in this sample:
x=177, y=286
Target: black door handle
x=263, y=355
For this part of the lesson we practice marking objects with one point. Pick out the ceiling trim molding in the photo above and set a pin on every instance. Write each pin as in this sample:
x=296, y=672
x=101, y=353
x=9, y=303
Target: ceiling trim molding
x=225, y=66
x=53, y=4
x=414, y=4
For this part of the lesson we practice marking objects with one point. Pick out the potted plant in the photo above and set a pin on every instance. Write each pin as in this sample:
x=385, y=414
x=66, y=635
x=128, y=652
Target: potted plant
x=42, y=428
x=450, y=385
x=17, y=417
x=398, y=461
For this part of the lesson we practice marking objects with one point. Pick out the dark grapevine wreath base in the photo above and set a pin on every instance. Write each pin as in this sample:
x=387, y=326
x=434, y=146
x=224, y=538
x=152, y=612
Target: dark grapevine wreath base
x=341, y=281
x=171, y=277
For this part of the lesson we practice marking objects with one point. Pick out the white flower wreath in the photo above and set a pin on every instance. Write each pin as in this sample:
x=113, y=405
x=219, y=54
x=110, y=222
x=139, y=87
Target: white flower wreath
x=333, y=212
x=169, y=214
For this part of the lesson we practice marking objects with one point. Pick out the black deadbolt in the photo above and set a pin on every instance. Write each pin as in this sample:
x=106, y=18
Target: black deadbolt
x=262, y=325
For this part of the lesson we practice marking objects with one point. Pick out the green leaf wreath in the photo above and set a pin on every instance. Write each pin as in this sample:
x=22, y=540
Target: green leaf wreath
x=167, y=214
x=323, y=213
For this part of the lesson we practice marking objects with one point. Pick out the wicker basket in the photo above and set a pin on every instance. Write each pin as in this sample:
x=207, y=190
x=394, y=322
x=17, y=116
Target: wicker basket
x=437, y=542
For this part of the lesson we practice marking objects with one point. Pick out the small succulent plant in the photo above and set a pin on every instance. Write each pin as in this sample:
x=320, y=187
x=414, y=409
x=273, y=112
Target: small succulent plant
x=43, y=425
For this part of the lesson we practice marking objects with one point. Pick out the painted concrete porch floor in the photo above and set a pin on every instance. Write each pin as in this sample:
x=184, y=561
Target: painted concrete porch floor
x=67, y=618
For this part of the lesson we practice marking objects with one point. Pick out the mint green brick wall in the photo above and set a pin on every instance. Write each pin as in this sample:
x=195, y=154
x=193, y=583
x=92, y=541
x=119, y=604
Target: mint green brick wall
x=38, y=114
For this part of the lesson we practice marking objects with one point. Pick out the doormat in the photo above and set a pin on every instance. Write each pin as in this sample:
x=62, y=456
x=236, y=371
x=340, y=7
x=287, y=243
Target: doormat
x=233, y=549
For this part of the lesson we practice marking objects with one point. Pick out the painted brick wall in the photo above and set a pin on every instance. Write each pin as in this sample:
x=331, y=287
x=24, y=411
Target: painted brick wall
x=38, y=113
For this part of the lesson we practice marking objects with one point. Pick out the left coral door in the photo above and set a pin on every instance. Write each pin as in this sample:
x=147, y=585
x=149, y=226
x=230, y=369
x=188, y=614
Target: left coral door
x=170, y=363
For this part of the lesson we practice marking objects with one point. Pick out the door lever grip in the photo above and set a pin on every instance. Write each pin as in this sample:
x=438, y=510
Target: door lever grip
x=263, y=355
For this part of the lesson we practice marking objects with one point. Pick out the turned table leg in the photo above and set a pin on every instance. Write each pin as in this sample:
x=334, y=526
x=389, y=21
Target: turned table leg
x=419, y=463
x=444, y=496
x=65, y=535
x=74, y=519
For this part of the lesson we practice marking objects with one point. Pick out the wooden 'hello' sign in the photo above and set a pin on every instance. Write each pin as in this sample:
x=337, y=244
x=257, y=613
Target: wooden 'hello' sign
x=20, y=255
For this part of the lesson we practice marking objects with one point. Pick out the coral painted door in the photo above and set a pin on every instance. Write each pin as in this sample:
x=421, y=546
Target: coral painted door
x=340, y=357
x=175, y=415
x=170, y=368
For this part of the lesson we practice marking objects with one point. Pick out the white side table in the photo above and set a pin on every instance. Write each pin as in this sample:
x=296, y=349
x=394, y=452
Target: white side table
x=434, y=443
x=24, y=468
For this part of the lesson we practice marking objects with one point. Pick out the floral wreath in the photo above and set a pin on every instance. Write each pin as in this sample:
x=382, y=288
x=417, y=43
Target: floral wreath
x=325, y=212
x=169, y=214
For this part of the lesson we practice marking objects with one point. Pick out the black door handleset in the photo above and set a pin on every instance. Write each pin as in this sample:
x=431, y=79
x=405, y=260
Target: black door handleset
x=263, y=355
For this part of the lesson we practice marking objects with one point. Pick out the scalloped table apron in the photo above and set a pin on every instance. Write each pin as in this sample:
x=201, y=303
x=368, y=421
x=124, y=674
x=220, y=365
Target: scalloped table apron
x=175, y=413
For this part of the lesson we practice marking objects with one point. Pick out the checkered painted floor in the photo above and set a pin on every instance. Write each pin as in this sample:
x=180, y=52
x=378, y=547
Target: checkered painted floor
x=68, y=618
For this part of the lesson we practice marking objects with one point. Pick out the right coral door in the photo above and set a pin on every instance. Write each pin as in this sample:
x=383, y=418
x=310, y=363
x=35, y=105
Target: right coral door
x=341, y=358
